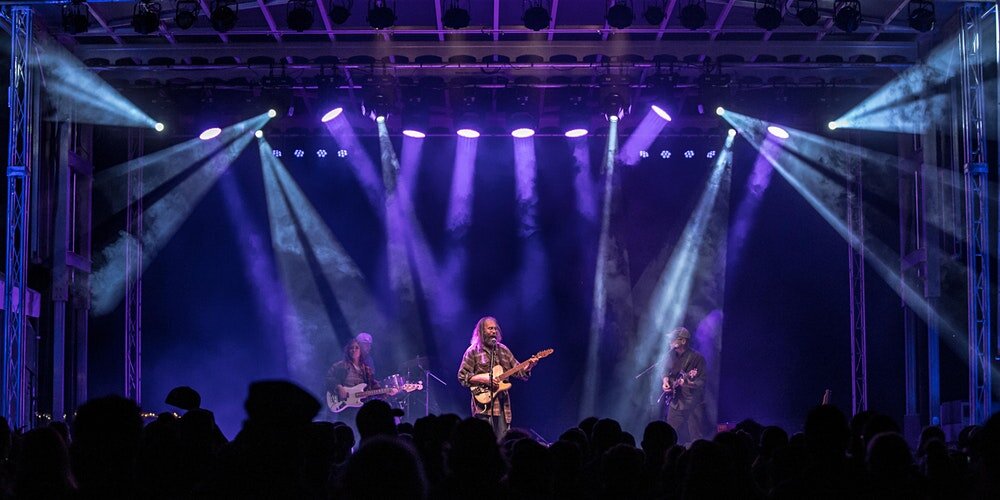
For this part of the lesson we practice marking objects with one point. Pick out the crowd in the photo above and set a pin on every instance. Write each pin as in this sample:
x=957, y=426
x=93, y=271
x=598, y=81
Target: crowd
x=283, y=452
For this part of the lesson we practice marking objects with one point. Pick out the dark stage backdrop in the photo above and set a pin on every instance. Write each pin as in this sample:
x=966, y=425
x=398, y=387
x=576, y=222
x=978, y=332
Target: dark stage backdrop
x=784, y=310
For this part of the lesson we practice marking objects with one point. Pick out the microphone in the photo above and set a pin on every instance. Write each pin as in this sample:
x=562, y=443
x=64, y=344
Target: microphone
x=492, y=341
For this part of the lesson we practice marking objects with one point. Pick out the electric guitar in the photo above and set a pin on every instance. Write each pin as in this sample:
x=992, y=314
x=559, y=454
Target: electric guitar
x=484, y=395
x=674, y=381
x=356, y=393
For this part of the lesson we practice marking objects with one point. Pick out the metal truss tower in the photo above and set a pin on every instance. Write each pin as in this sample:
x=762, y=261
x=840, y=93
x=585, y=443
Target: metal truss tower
x=133, y=273
x=976, y=210
x=856, y=267
x=14, y=393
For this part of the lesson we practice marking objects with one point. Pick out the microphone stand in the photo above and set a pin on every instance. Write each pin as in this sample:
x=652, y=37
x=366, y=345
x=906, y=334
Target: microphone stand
x=493, y=394
x=427, y=390
x=650, y=367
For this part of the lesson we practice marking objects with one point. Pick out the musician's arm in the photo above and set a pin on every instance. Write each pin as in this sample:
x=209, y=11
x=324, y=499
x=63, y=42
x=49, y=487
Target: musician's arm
x=466, y=371
x=511, y=362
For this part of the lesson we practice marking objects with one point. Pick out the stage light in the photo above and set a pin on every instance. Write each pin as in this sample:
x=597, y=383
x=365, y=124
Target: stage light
x=522, y=133
x=159, y=127
x=380, y=119
x=185, y=13
x=720, y=111
x=920, y=15
x=258, y=134
x=777, y=131
x=339, y=10
x=271, y=113
x=225, y=13
x=615, y=96
x=808, y=15
x=643, y=154
x=210, y=133
x=456, y=17
x=380, y=96
x=665, y=154
x=342, y=153
x=75, y=17
x=333, y=113
x=689, y=154
x=620, y=15
x=299, y=16
x=299, y=153
x=321, y=153
x=768, y=15
x=834, y=125
x=468, y=133
x=693, y=15
x=380, y=15
x=613, y=118
x=536, y=17
x=732, y=132
x=146, y=16
x=661, y=112
x=522, y=124
x=847, y=15
x=710, y=154
x=467, y=125
x=576, y=132
x=277, y=153
x=416, y=134
x=654, y=14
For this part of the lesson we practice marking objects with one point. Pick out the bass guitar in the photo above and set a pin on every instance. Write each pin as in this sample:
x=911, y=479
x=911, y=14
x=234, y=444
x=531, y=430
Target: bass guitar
x=484, y=395
x=356, y=393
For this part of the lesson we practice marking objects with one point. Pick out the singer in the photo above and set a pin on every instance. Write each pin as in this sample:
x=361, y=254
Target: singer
x=484, y=353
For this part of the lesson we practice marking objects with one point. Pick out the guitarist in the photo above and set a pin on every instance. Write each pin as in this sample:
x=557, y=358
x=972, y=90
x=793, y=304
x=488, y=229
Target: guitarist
x=486, y=351
x=684, y=387
x=350, y=371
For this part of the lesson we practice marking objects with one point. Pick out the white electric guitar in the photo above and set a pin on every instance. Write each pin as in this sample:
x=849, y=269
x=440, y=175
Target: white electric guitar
x=357, y=393
x=484, y=395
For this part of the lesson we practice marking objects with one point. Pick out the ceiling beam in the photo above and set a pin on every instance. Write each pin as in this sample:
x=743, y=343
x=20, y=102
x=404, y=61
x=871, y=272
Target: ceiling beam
x=496, y=20
x=104, y=24
x=722, y=19
x=552, y=23
x=273, y=26
x=666, y=19
x=888, y=19
x=440, y=21
x=325, y=15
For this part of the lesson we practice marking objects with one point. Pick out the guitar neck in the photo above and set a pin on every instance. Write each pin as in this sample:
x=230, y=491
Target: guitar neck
x=516, y=368
x=374, y=392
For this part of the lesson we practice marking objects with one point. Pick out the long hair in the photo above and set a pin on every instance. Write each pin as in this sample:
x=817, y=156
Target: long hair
x=347, y=352
x=480, y=330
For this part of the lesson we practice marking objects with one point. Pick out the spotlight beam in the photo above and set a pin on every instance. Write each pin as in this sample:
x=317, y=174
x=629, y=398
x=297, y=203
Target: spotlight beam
x=588, y=402
x=669, y=301
x=361, y=164
x=460, y=201
x=524, y=172
x=644, y=134
x=586, y=204
x=162, y=220
x=306, y=321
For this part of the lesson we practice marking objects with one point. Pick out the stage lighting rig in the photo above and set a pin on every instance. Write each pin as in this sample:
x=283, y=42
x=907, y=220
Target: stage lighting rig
x=694, y=15
x=380, y=15
x=146, y=16
x=808, y=15
x=276, y=93
x=380, y=96
x=767, y=14
x=620, y=14
x=615, y=95
x=340, y=10
x=225, y=13
x=75, y=17
x=655, y=12
x=298, y=14
x=536, y=17
x=847, y=15
x=185, y=13
x=456, y=16
x=920, y=15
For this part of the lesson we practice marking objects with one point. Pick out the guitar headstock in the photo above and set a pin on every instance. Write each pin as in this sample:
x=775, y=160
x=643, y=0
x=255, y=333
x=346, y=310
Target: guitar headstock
x=542, y=354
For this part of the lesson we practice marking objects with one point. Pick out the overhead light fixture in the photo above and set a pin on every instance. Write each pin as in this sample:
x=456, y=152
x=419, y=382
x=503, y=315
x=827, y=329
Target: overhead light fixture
x=276, y=93
x=146, y=16
x=847, y=15
x=808, y=15
x=224, y=15
x=299, y=16
x=620, y=15
x=522, y=125
x=536, y=17
x=380, y=97
x=380, y=15
x=920, y=15
x=575, y=117
x=693, y=15
x=655, y=12
x=185, y=13
x=767, y=14
x=662, y=113
x=339, y=10
x=615, y=96
x=777, y=131
x=75, y=17
x=415, y=117
x=210, y=133
x=456, y=17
